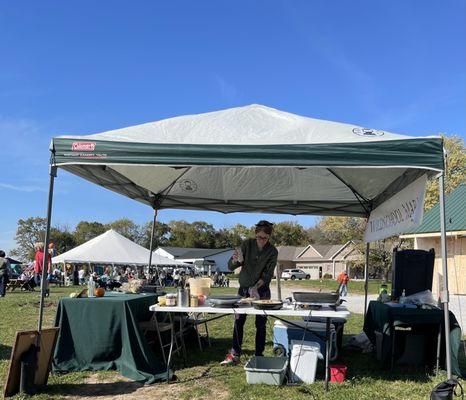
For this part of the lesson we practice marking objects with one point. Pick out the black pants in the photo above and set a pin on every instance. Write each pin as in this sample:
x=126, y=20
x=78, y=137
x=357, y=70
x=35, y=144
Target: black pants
x=261, y=322
x=3, y=282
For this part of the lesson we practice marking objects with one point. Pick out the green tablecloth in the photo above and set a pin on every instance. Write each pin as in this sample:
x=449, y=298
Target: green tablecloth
x=382, y=318
x=102, y=334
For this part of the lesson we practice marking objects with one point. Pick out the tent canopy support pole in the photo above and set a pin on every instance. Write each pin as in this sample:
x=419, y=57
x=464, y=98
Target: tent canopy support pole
x=366, y=277
x=43, y=286
x=444, y=295
x=151, y=245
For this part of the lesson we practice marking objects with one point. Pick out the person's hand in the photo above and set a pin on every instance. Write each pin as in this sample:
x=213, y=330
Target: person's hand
x=260, y=283
x=234, y=257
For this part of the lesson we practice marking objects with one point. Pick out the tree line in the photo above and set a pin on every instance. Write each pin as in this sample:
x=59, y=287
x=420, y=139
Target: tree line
x=198, y=234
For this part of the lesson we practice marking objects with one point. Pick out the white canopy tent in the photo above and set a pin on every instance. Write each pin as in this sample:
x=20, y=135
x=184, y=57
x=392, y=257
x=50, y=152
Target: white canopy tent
x=253, y=159
x=112, y=248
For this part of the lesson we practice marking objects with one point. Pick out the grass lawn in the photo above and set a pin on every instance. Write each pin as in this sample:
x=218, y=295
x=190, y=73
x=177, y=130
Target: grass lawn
x=202, y=377
x=330, y=284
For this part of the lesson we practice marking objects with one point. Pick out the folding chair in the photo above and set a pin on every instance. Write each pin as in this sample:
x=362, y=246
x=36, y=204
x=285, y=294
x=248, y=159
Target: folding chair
x=159, y=327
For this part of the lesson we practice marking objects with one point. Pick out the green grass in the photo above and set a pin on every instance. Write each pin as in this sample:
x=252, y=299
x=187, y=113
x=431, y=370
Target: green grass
x=202, y=377
x=355, y=287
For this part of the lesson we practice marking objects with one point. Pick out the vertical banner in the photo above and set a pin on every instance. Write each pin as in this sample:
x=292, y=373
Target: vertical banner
x=398, y=214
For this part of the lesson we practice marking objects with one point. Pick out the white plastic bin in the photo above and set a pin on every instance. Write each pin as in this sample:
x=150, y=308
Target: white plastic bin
x=266, y=370
x=303, y=361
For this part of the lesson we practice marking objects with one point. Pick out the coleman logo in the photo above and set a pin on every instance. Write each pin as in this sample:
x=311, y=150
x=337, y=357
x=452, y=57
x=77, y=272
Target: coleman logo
x=83, y=146
x=367, y=132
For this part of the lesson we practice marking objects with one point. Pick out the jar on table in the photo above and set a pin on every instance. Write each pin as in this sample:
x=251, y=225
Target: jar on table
x=171, y=299
x=194, y=301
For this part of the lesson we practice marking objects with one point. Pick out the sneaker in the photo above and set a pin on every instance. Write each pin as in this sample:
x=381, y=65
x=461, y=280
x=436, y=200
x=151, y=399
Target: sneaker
x=230, y=359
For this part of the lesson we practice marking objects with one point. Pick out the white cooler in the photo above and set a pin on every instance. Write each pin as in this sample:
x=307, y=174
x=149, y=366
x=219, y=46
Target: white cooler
x=303, y=361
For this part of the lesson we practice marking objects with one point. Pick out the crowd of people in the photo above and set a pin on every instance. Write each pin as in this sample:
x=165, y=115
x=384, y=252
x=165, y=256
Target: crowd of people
x=111, y=277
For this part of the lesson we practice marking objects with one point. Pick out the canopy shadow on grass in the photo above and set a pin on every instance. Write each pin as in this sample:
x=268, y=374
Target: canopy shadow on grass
x=5, y=352
x=94, y=389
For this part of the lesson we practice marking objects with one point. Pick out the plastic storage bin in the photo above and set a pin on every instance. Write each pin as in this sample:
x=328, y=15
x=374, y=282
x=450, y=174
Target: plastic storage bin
x=283, y=334
x=303, y=361
x=266, y=370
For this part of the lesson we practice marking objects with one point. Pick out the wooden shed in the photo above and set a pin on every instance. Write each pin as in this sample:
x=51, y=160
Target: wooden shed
x=427, y=236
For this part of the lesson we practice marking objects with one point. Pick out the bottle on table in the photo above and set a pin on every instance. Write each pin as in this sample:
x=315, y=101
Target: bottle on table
x=403, y=297
x=90, y=287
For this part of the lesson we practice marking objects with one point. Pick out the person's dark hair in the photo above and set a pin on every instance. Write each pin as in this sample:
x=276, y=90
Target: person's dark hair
x=2, y=253
x=264, y=226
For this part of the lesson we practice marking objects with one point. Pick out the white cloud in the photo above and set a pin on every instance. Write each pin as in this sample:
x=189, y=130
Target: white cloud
x=25, y=188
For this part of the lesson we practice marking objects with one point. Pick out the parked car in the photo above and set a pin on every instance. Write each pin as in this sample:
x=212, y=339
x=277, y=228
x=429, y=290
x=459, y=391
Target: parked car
x=295, y=274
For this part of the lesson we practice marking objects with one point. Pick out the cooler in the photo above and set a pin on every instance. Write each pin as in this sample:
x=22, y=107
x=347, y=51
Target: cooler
x=284, y=333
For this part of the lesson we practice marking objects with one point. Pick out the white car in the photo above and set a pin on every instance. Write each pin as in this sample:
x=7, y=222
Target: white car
x=294, y=274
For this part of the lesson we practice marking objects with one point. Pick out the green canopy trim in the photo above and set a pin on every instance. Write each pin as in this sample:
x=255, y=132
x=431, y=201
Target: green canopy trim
x=424, y=153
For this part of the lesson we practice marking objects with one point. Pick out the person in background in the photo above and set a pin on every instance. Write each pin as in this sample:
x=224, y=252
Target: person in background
x=343, y=280
x=257, y=266
x=39, y=262
x=176, y=277
x=81, y=276
x=4, y=265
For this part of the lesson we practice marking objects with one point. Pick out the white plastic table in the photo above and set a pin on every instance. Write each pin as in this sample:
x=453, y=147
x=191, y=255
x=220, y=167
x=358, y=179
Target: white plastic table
x=287, y=311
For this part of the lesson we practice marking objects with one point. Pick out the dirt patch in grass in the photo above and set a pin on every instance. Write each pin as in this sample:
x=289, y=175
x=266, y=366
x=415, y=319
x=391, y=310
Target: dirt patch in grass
x=115, y=387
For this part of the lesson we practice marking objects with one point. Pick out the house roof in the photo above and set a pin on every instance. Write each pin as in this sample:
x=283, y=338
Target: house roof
x=288, y=253
x=327, y=251
x=292, y=253
x=187, y=252
x=455, y=214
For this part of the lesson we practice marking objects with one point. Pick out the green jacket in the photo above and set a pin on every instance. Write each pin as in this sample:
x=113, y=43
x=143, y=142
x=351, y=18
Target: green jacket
x=258, y=264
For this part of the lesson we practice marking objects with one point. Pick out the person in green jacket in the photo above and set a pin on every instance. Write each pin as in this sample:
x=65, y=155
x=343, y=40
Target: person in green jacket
x=257, y=262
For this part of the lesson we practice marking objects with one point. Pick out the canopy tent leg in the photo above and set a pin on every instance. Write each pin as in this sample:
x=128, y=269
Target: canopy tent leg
x=43, y=286
x=151, y=245
x=366, y=277
x=444, y=295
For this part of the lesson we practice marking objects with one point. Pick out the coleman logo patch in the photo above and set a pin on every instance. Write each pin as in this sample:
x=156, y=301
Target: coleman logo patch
x=83, y=146
x=367, y=132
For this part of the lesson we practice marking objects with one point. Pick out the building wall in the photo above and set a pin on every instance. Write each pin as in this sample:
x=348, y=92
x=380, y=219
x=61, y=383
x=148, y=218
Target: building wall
x=456, y=262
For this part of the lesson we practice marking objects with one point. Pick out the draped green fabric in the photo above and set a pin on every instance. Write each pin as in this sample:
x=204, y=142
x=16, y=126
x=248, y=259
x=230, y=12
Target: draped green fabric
x=381, y=317
x=102, y=334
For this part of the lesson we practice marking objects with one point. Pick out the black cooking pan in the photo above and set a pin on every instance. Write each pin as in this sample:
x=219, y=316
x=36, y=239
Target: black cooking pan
x=316, y=297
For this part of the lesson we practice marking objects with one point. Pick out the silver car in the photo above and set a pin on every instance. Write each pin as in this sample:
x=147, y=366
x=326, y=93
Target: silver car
x=294, y=274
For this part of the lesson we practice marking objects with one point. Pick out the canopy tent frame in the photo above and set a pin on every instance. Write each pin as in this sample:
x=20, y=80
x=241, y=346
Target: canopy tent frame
x=111, y=160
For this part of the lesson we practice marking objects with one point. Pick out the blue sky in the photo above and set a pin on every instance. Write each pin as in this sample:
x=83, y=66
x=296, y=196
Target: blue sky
x=81, y=67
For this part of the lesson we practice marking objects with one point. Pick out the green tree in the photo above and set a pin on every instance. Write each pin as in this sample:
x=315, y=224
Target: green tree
x=127, y=228
x=289, y=233
x=339, y=230
x=455, y=172
x=223, y=238
x=198, y=234
x=28, y=232
x=86, y=231
x=161, y=235
x=63, y=239
x=314, y=235
x=239, y=233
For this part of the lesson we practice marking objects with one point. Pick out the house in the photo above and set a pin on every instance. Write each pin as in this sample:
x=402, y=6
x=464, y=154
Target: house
x=205, y=260
x=320, y=259
x=427, y=236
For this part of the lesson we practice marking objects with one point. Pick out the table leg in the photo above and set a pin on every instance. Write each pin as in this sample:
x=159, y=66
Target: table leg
x=172, y=334
x=327, y=352
x=439, y=340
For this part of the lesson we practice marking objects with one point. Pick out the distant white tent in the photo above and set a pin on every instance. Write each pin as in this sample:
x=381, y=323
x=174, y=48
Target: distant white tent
x=112, y=248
